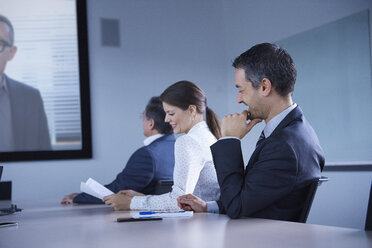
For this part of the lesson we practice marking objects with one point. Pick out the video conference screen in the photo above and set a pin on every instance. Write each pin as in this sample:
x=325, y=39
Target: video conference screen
x=46, y=81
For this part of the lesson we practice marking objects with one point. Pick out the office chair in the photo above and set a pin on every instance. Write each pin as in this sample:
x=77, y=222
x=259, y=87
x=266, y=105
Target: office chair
x=368, y=226
x=310, y=197
x=163, y=186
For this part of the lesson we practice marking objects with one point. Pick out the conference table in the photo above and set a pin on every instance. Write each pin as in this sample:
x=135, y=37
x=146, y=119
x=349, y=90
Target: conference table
x=49, y=224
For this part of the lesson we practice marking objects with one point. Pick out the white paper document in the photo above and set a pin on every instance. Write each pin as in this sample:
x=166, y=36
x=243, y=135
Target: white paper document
x=95, y=189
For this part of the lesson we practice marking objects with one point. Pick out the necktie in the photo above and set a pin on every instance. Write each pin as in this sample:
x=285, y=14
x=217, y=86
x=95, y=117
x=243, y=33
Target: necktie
x=262, y=138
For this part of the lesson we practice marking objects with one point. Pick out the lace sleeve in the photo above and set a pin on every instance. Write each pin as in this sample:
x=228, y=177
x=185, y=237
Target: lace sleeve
x=188, y=164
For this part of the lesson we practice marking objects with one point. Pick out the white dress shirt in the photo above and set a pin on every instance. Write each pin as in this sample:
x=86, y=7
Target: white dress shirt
x=194, y=172
x=151, y=139
x=212, y=206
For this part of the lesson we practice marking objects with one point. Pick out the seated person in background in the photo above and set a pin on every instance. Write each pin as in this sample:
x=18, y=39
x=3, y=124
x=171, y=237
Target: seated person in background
x=149, y=164
x=184, y=104
x=288, y=155
x=23, y=122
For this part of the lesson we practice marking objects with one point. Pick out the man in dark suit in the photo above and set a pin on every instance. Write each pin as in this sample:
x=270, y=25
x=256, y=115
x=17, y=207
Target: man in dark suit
x=149, y=164
x=23, y=121
x=288, y=155
x=29, y=121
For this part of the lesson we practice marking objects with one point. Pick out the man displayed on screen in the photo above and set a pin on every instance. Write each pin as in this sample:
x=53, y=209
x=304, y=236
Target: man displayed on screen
x=23, y=121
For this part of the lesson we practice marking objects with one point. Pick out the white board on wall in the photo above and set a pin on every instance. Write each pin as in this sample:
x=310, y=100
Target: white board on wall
x=334, y=87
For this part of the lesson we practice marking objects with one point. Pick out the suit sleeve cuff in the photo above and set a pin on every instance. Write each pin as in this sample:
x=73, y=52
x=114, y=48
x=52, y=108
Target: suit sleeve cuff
x=212, y=207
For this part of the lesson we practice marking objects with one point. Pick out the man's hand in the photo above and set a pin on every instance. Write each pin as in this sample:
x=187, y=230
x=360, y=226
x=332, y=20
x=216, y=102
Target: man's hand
x=236, y=125
x=118, y=201
x=130, y=192
x=190, y=202
x=68, y=199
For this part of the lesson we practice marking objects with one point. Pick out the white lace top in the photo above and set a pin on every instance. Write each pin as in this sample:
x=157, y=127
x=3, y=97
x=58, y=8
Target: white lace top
x=194, y=172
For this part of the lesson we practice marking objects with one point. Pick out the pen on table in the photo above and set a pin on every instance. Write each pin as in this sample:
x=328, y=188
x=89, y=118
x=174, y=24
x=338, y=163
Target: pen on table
x=152, y=212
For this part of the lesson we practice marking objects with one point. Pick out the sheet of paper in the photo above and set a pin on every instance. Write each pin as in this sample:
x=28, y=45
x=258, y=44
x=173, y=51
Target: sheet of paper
x=95, y=189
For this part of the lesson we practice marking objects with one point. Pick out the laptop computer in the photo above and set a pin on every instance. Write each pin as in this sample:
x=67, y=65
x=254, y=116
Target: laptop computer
x=6, y=204
x=5, y=194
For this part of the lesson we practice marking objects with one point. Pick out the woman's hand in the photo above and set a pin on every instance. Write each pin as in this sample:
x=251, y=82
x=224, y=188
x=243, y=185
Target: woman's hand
x=190, y=202
x=118, y=201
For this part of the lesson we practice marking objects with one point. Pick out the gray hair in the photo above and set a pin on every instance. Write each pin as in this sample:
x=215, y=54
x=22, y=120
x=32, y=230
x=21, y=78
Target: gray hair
x=11, y=29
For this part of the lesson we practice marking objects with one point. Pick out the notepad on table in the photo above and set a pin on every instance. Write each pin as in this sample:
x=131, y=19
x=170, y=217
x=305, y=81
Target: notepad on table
x=95, y=189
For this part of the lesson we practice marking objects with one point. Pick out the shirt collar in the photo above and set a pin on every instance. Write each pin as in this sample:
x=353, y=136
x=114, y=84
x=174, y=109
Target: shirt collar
x=197, y=126
x=151, y=139
x=274, y=122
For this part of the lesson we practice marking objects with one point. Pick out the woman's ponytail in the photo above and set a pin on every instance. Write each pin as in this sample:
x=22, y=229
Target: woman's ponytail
x=213, y=123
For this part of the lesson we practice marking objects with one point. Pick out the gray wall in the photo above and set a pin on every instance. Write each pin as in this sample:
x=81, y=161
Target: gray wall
x=165, y=41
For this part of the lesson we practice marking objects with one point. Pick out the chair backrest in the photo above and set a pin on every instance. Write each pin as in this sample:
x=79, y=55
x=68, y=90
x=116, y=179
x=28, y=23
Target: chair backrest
x=163, y=186
x=310, y=197
x=368, y=225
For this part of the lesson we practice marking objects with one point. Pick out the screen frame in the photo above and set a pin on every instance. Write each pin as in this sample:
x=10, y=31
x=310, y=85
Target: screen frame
x=86, y=150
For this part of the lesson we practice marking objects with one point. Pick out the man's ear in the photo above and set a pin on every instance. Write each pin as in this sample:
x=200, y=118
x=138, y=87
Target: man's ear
x=265, y=87
x=13, y=51
x=151, y=124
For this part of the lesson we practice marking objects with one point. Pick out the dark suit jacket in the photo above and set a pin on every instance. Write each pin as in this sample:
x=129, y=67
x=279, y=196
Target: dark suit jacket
x=275, y=182
x=144, y=169
x=30, y=126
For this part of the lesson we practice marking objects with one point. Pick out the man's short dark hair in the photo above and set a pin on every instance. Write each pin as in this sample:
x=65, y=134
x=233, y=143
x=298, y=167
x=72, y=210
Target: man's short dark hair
x=154, y=110
x=269, y=61
x=11, y=29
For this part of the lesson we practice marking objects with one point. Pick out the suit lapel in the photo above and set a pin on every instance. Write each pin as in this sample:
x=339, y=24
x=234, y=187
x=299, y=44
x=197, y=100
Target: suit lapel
x=17, y=102
x=295, y=114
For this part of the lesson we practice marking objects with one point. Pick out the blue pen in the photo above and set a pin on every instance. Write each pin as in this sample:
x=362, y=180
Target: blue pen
x=151, y=212
x=147, y=213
